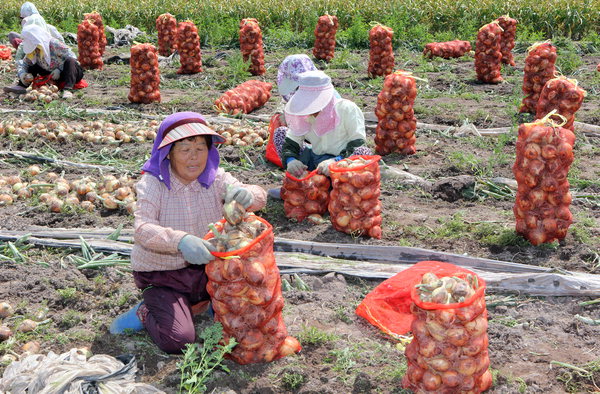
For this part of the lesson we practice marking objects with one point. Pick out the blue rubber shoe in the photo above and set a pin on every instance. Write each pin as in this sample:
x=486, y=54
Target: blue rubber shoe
x=275, y=193
x=127, y=321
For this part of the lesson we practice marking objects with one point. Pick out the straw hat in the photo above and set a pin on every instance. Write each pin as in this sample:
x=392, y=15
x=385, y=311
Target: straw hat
x=189, y=128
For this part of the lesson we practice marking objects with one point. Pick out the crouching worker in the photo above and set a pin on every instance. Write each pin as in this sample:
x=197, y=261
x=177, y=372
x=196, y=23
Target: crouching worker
x=180, y=193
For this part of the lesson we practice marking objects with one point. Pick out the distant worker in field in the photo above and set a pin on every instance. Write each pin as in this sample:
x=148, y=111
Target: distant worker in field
x=40, y=54
x=31, y=16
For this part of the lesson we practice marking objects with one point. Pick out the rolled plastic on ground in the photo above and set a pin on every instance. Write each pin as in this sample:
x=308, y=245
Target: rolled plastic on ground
x=564, y=96
x=245, y=290
x=447, y=50
x=245, y=98
x=166, y=27
x=488, y=58
x=305, y=196
x=544, y=156
x=188, y=45
x=539, y=69
x=251, y=45
x=96, y=19
x=381, y=54
x=396, y=124
x=354, y=205
x=325, y=31
x=145, y=75
x=88, y=44
x=507, y=42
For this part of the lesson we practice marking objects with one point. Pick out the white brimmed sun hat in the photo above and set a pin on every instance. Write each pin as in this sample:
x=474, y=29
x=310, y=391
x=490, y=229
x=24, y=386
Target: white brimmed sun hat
x=314, y=92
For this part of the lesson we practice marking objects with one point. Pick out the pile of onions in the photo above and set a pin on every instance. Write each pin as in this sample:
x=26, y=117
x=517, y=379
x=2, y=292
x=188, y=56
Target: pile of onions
x=396, y=124
x=488, y=58
x=96, y=19
x=381, y=54
x=145, y=76
x=306, y=196
x=166, y=27
x=245, y=289
x=507, y=42
x=46, y=93
x=244, y=98
x=325, y=31
x=564, y=96
x=88, y=43
x=243, y=135
x=449, y=350
x=188, y=45
x=354, y=205
x=539, y=69
x=5, y=53
x=447, y=50
x=251, y=45
x=544, y=155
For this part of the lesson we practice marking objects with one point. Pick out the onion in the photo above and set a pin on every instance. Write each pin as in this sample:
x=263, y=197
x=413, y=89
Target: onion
x=32, y=347
x=5, y=333
x=6, y=310
x=431, y=381
x=27, y=325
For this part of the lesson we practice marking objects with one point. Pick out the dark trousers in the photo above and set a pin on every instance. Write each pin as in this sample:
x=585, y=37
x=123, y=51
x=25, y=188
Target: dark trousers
x=169, y=296
x=312, y=160
x=70, y=75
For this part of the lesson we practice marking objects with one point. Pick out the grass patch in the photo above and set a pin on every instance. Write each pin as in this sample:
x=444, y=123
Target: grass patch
x=312, y=336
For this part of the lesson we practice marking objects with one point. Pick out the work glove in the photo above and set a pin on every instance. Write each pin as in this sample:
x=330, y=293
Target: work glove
x=296, y=168
x=239, y=194
x=55, y=74
x=27, y=78
x=323, y=167
x=196, y=250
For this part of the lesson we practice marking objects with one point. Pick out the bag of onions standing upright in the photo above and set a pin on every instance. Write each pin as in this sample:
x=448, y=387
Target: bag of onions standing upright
x=507, y=42
x=5, y=53
x=539, y=69
x=381, y=54
x=88, y=37
x=145, y=75
x=305, y=196
x=325, y=30
x=251, y=45
x=96, y=19
x=488, y=57
x=354, y=205
x=564, y=96
x=188, y=45
x=166, y=27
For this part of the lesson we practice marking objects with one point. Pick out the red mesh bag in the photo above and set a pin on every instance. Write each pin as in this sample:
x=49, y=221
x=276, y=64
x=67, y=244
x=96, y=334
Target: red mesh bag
x=271, y=151
x=564, y=96
x=507, y=42
x=354, y=205
x=188, y=44
x=88, y=44
x=539, y=69
x=447, y=50
x=245, y=290
x=5, y=53
x=305, y=196
x=325, y=31
x=166, y=27
x=381, y=54
x=96, y=19
x=397, y=124
x=145, y=76
x=544, y=155
x=251, y=45
x=488, y=58
x=245, y=97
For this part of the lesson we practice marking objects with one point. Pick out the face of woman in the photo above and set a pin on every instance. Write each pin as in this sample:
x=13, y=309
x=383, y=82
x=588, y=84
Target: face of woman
x=188, y=158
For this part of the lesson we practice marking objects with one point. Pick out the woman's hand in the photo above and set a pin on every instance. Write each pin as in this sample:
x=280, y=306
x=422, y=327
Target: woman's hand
x=55, y=74
x=296, y=168
x=27, y=78
x=323, y=167
x=196, y=250
x=239, y=194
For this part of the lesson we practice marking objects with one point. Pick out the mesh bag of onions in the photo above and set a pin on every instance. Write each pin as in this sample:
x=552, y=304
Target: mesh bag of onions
x=88, y=44
x=251, y=45
x=96, y=19
x=244, y=98
x=325, y=30
x=507, y=42
x=396, y=124
x=449, y=350
x=166, y=27
x=305, y=196
x=145, y=76
x=5, y=53
x=188, y=45
x=564, y=96
x=539, y=69
x=544, y=155
x=354, y=205
x=447, y=50
x=381, y=54
x=488, y=58
x=245, y=287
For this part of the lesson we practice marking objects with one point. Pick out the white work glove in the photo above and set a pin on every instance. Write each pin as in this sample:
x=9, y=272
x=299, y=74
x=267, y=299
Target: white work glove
x=296, y=168
x=55, y=74
x=323, y=167
x=239, y=194
x=196, y=250
x=27, y=78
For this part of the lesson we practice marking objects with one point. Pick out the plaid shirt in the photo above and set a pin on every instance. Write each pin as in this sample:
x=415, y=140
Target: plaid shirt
x=165, y=216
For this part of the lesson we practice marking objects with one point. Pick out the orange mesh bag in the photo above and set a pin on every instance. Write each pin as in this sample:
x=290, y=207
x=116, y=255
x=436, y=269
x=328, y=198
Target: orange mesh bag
x=5, y=53
x=245, y=290
x=381, y=54
x=447, y=50
x=271, y=151
x=544, y=155
x=396, y=124
x=488, y=58
x=145, y=76
x=88, y=37
x=96, y=19
x=325, y=31
x=166, y=27
x=564, y=96
x=507, y=42
x=305, y=196
x=539, y=69
x=354, y=205
x=244, y=98
x=251, y=45
x=188, y=44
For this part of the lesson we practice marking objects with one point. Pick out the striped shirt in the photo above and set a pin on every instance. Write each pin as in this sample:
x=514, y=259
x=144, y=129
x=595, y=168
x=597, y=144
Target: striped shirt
x=164, y=216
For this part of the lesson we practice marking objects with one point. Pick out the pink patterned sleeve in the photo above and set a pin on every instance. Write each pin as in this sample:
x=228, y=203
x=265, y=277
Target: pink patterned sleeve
x=258, y=193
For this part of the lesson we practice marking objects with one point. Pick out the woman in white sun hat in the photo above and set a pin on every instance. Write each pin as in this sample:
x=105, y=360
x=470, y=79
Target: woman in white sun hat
x=31, y=16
